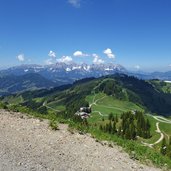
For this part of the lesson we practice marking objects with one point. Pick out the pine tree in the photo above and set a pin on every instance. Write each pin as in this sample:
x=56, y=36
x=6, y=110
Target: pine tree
x=163, y=149
x=101, y=127
x=119, y=131
x=110, y=117
x=148, y=134
x=169, y=140
x=116, y=118
x=110, y=127
x=169, y=151
x=148, y=126
x=146, y=130
x=114, y=128
x=127, y=133
x=106, y=128
x=169, y=148
x=123, y=126
x=132, y=131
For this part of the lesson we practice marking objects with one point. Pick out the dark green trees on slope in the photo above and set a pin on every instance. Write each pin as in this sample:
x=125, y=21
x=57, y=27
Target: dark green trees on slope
x=140, y=92
x=134, y=124
x=166, y=148
x=146, y=95
x=130, y=125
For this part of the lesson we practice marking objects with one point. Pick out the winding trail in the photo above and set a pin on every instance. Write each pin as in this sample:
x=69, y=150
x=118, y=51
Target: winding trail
x=159, y=119
x=44, y=104
x=99, y=99
x=95, y=101
x=110, y=107
x=99, y=113
x=162, y=119
x=159, y=140
x=161, y=134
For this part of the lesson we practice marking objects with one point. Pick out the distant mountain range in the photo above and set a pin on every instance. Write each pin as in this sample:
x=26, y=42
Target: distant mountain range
x=65, y=72
x=26, y=77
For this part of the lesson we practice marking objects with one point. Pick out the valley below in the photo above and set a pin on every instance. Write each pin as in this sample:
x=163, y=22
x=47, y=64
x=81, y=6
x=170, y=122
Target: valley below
x=27, y=143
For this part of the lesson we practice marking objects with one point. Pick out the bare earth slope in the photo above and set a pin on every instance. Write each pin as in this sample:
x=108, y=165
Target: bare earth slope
x=28, y=144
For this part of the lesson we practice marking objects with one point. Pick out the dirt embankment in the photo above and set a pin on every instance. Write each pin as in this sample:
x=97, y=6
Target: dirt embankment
x=28, y=144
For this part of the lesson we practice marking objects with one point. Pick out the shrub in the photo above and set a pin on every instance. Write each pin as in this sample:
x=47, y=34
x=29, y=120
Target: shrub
x=54, y=125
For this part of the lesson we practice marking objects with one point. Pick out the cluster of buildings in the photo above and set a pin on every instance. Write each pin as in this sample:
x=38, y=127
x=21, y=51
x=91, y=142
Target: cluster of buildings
x=84, y=112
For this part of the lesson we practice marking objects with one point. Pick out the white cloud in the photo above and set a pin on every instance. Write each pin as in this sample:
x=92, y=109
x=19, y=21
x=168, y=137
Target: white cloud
x=137, y=67
x=51, y=54
x=65, y=59
x=79, y=54
x=95, y=55
x=48, y=62
x=75, y=3
x=169, y=65
x=109, y=53
x=97, y=59
x=21, y=57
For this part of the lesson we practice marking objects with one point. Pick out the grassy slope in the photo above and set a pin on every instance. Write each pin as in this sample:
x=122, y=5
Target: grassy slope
x=56, y=105
x=105, y=105
x=14, y=99
x=155, y=136
x=166, y=128
x=108, y=104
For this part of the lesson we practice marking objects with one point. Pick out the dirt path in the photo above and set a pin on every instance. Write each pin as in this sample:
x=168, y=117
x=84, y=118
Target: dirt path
x=27, y=144
x=159, y=140
x=99, y=113
x=161, y=134
x=109, y=107
x=97, y=86
x=162, y=119
x=48, y=107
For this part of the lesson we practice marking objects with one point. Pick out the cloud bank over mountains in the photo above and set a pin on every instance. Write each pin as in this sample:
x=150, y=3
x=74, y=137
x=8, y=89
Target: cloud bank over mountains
x=94, y=58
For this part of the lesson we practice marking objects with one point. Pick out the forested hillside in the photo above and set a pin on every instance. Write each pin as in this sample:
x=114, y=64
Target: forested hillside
x=10, y=84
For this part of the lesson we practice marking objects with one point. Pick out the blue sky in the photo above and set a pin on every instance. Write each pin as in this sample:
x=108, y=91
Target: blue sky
x=133, y=33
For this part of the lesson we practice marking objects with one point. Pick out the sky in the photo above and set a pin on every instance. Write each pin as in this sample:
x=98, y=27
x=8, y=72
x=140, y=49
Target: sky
x=133, y=33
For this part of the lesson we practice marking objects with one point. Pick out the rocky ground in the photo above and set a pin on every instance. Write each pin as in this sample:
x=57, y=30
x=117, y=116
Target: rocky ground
x=28, y=144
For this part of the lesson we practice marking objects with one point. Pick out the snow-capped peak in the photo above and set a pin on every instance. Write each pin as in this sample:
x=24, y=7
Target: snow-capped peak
x=68, y=69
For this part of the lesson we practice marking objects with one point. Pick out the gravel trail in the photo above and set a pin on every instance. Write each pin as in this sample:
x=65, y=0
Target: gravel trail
x=28, y=144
